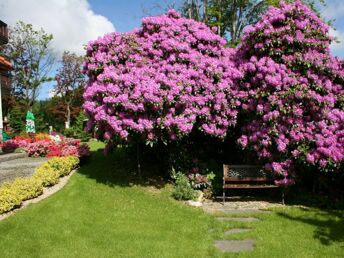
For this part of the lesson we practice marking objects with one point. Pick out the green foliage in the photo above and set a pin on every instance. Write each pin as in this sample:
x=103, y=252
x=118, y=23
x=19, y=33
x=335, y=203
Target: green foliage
x=17, y=119
x=78, y=129
x=231, y=17
x=32, y=59
x=182, y=188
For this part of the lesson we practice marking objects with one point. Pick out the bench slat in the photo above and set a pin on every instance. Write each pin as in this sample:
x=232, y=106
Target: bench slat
x=248, y=179
x=243, y=186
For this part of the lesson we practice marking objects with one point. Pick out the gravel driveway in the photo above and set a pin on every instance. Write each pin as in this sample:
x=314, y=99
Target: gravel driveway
x=21, y=167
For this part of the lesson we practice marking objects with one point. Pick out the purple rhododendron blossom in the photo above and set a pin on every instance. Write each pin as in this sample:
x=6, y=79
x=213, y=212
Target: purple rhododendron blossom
x=163, y=80
x=293, y=90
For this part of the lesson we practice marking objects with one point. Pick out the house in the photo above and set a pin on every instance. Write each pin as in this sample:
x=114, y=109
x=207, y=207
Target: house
x=5, y=81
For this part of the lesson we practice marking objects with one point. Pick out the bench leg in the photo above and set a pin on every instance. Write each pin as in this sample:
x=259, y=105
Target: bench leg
x=224, y=197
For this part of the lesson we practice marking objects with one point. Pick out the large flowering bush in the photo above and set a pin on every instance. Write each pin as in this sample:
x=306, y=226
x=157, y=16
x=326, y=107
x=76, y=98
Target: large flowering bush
x=161, y=81
x=292, y=93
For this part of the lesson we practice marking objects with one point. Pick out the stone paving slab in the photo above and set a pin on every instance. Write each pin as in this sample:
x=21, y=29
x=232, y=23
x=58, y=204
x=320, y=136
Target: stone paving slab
x=235, y=245
x=22, y=167
x=242, y=219
x=235, y=211
x=237, y=231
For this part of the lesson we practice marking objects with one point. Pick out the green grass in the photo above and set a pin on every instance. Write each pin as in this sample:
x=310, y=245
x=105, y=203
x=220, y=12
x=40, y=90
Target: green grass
x=104, y=211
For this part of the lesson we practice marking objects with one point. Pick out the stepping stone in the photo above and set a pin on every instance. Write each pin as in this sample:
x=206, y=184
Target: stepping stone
x=235, y=245
x=193, y=203
x=246, y=219
x=236, y=211
x=237, y=230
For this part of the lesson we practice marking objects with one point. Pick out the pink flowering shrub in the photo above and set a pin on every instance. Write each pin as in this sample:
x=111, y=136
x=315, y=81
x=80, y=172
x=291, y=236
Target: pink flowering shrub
x=61, y=148
x=39, y=148
x=69, y=150
x=161, y=81
x=292, y=95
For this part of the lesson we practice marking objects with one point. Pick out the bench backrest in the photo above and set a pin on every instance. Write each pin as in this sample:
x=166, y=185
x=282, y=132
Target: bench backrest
x=245, y=173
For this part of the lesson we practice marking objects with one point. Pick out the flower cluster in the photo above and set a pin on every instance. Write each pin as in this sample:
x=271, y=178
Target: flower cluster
x=199, y=181
x=292, y=94
x=163, y=80
x=50, y=146
x=9, y=146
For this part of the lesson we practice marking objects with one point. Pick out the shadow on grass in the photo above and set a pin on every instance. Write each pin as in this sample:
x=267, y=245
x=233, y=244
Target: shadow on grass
x=120, y=169
x=329, y=224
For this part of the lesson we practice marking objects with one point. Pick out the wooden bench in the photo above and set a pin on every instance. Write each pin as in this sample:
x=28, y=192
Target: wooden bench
x=246, y=177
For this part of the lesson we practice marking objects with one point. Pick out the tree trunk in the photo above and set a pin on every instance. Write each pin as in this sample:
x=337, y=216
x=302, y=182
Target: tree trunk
x=68, y=116
x=205, y=11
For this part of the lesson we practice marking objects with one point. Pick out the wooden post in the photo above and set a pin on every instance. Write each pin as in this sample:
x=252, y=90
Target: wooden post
x=223, y=184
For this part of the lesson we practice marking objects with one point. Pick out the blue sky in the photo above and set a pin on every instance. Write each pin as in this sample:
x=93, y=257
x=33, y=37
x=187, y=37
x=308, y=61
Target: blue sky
x=127, y=14
x=74, y=22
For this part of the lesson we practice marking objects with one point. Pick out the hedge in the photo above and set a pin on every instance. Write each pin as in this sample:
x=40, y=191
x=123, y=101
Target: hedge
x=12, y=194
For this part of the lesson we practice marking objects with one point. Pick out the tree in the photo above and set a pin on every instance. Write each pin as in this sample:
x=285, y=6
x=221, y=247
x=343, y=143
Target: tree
x=170, y=77
x=230, y=17
x=293, y=92
x=69, y=78
x=32, y=60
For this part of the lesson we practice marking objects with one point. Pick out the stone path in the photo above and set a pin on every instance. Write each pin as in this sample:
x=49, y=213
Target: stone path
x=243, y=219
x=19, y=167
x=237, y=203
x=243, y=211
x=237, y=230
x=236, y=245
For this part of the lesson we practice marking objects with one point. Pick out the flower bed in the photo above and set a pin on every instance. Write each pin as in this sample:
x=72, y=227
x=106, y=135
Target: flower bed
x=45, y=145
x=12, y=194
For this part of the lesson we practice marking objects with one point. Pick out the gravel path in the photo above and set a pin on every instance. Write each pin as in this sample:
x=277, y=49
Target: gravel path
x=22, y=167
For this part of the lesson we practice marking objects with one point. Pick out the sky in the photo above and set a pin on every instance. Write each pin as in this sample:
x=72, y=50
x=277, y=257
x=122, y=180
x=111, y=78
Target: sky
x=74, y=22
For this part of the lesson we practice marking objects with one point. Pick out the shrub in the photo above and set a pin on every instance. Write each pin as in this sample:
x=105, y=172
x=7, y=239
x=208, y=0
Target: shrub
x=84, y=150
x=47, y=174
x=10, y=146
x=199, y=181
x=39, y=148
x=292, y=95
x=8, y=198
x=27, y=188
x=182, y=188
x=63, y=165
x=161, y=81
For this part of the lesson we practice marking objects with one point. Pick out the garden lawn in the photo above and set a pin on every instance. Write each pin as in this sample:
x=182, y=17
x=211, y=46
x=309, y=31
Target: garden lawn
x=105, y=212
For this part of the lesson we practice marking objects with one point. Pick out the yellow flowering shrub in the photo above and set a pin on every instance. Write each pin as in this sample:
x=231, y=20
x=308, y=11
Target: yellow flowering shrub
x=8, y=198
x=47, y=174
x=27, y=188
x=12, y=194
x=64, y=165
